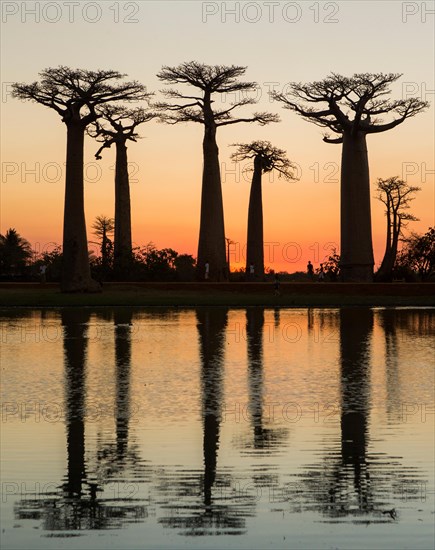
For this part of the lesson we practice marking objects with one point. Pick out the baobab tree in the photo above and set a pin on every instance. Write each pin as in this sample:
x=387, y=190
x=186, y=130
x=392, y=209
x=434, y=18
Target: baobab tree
x=266, y=158
x=75, y=95
x=117, y=125
x=330, y=103
x=209, y=80
x=396, y=194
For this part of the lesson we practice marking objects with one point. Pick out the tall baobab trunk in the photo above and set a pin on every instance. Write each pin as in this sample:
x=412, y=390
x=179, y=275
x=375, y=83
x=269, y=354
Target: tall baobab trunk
x=76, y=273
x=122, y=247
x=356, y=233
x=255, y=253
x=211, y=246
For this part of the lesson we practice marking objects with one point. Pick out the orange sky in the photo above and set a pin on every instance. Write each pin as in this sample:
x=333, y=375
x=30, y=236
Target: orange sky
x=301, y=219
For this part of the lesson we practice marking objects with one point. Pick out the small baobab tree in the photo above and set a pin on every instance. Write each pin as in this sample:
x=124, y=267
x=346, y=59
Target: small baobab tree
x=396, y=195
x=75, y=94
x=351, y=108
x=209, y=80
x=266, y=158
x=117, y=126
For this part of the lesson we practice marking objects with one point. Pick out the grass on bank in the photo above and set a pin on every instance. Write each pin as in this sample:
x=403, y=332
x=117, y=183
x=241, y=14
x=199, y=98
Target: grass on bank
x=149, y=296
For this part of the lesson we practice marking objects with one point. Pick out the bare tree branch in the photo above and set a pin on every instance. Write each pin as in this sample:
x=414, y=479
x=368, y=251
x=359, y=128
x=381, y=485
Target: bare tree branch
x=363, y=94
x=210, y=79
x=261, y=118
x=75, y=93
x=117, y=124
x=270, y=157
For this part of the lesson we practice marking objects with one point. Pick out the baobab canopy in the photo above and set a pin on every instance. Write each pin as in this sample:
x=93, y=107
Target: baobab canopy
x=357, y=103
x=67, y=90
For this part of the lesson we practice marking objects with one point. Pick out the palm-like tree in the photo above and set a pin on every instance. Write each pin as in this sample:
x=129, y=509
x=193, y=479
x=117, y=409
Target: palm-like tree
x=103, y=228
x=266, y=158
x=15, y=252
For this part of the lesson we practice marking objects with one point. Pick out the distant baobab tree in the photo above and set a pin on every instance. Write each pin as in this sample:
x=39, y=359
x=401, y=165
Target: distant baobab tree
x=396, y=194
x=117, y=125
x=266, y=158
x=329, y=103
x=75, y=95
x=209, y=80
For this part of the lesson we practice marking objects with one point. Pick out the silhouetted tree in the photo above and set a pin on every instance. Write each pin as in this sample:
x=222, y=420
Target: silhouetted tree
x=331, y=266
x=53, y=261
x=418, y=255
x=117, y=125
x=209, y=80
x=396, y=194
x=266, y=158
x=329, y=103
x=157, y=265
x=228, y=242
x=185, y=267
x=75, y=95
x=103, y=227
x=15, y=252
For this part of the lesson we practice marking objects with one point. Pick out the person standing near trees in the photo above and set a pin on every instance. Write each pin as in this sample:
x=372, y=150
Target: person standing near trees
x=207, y=270
x=310, y=270
x=321, y=273
x=42, y=274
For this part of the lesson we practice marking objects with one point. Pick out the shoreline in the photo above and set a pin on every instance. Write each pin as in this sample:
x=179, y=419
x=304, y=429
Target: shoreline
x=174, y=294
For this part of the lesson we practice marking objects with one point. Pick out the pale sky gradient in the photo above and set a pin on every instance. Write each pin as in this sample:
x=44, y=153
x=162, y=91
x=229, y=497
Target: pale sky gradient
x=301, y=217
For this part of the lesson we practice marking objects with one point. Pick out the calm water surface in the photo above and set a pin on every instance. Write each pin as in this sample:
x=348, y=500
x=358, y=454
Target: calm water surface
x=218, y=428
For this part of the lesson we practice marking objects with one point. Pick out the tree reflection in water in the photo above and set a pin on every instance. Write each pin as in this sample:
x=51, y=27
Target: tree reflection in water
x=264, y=440
x=388, y=321
x=351, y=482
x=207, y=503
x=121, y=457
x=77, y=506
